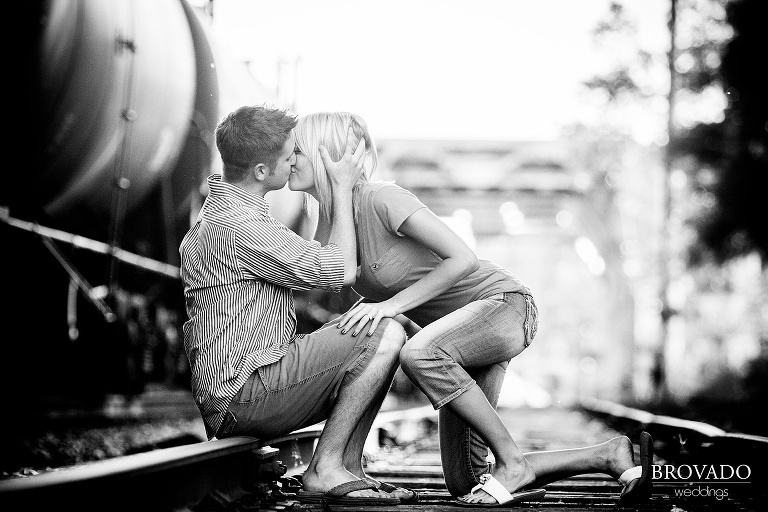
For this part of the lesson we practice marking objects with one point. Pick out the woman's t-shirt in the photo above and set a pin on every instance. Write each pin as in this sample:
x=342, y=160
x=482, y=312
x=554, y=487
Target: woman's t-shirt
x=391, y=261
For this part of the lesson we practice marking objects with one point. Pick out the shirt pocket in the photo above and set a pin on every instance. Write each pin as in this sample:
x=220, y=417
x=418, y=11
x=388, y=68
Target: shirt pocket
x=390, y=269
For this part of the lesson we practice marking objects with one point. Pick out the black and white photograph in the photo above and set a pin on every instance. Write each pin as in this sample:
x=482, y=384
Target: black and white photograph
x=371, y=255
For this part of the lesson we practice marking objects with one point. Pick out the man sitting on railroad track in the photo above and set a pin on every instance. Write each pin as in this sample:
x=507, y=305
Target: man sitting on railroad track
x=252, y=373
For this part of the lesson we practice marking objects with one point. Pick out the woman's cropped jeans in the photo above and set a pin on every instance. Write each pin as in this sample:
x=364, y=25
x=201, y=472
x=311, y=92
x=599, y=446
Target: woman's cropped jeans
x=470, y=346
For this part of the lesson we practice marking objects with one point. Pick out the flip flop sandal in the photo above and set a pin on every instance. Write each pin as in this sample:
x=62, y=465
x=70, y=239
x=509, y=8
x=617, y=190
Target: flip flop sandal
x=318, y=497
x=338, y=495
x=637, y=481
x=411, y=495
x=498, y=492
x=309, y=496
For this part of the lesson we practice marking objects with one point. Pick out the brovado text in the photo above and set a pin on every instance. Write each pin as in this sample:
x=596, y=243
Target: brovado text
x=723, y=472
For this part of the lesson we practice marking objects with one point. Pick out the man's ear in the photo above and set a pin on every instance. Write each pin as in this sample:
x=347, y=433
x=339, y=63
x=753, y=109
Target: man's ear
x=260, y=171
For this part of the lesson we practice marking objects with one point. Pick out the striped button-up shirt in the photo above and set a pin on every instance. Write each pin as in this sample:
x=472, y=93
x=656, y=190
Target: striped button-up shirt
x=238, y=267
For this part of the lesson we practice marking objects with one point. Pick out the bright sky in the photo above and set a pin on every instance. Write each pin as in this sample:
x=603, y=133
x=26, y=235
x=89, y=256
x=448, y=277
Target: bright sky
x=431, y=69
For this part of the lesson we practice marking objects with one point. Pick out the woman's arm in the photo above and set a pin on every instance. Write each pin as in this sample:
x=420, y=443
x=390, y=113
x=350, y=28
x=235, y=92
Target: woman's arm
x=458, y=259
x=458, y=262
x=322, y=231
x=343, y=175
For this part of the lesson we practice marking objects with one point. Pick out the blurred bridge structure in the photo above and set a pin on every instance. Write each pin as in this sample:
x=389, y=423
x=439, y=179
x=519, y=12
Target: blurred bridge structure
x=532, y=207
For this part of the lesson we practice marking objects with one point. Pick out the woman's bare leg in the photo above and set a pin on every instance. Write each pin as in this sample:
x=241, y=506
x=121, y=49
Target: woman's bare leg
x=512, y=469
x=612, y=457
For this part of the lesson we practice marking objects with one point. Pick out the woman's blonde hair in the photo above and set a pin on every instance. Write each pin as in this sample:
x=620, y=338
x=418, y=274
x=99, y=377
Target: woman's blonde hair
x=329, y=129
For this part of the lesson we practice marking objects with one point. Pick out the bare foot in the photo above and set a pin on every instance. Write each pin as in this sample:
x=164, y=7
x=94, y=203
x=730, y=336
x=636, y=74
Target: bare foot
x=312, y=481
x=399, y=492
x=512, y=479
x=619, y=455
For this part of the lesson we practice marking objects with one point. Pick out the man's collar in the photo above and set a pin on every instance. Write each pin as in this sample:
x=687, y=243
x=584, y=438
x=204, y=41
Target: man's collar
x=220, y=188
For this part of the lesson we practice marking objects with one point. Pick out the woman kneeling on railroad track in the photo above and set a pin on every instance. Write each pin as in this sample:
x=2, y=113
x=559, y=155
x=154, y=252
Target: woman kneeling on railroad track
x=466, y=319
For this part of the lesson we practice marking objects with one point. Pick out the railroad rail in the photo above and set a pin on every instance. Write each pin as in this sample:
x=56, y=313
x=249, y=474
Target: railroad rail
x=215, y=472
x=244, y=473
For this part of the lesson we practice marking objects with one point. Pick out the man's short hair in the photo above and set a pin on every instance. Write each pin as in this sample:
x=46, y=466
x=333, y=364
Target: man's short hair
x=252, y=135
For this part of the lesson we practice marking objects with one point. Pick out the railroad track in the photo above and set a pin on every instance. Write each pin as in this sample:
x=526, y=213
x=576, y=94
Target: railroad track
x=243, y=473
x=207, y=475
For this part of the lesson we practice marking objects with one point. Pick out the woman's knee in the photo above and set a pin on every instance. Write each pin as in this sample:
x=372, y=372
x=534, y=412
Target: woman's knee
x=413, y=357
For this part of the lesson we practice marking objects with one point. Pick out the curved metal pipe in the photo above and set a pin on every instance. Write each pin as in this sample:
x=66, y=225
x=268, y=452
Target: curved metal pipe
x=117, y=94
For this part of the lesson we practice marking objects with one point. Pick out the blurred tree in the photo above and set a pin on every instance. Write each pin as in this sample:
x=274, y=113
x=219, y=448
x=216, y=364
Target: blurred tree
x=719, y=125
x=623, y=78
x=711, y=119
x=726, y=165
x=636, y=92
x=730, y=156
